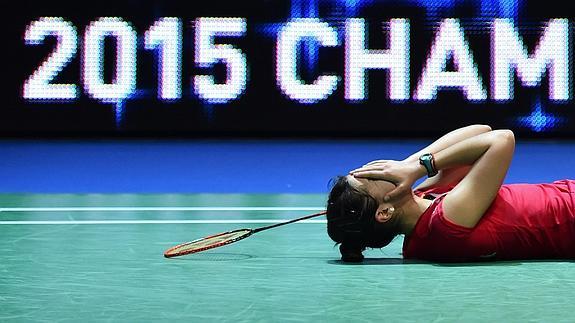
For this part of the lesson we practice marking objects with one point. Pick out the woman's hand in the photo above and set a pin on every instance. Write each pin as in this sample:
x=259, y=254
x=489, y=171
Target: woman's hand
x=402, y=173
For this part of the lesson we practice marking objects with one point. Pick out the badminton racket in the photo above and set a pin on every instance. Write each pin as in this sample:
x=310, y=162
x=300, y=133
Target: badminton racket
x=224, y=238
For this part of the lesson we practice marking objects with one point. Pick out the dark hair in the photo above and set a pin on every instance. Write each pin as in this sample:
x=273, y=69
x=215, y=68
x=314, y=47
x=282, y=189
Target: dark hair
x=351, y=221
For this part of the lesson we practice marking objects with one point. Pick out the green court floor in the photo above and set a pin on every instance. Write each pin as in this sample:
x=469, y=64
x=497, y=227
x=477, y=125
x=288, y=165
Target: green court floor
x=83, y=258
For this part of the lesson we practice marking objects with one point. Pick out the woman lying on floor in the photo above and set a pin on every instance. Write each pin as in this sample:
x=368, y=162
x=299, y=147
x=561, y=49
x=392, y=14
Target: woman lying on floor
x=461, y=212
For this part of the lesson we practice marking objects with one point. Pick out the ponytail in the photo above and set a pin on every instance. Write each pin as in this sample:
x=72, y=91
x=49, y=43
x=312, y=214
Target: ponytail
x=351, y=253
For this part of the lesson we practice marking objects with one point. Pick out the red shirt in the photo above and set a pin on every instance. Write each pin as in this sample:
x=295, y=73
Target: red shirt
x=525, y=221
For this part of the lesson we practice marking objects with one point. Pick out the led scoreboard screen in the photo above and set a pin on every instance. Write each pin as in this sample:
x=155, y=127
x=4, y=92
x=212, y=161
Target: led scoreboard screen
x=287, y=67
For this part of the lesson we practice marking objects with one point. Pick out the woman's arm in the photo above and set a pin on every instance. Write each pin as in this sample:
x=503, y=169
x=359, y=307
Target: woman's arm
x=489, y=155
x=449, y=176
x=445, y=177
x=450, y=139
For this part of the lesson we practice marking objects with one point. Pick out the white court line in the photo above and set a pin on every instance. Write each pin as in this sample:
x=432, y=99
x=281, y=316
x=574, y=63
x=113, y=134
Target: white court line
x=74, y=222
x=159, y=208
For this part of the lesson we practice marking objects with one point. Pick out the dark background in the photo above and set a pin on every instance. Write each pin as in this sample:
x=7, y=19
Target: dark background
x=263, y=111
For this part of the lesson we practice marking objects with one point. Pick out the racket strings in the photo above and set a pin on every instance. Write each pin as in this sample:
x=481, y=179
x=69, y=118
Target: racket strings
x=208, y=242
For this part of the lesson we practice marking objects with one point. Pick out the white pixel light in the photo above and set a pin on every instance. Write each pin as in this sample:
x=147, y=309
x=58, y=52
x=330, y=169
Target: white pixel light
x=450, y=40
x=288, y=42
x=38, y=86
x=551, y=52
x=358, y=59
x=166, y=36
x=207, y=54
x=93, y=60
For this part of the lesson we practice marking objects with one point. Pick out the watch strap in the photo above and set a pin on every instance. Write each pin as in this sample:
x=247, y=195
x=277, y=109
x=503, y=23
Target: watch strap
x=428, y=161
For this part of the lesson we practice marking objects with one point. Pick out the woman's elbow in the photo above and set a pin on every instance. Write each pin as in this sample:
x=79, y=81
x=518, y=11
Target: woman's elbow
x=505, y=136
x=508, y=134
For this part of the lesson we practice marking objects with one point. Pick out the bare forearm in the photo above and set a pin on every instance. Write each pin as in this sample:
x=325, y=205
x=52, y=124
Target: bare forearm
x=450, y=176
x=468, y=151
x=450, y=139
x=486, y=155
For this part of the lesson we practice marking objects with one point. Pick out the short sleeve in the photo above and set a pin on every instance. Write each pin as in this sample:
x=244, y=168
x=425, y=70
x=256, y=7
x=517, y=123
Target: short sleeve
x=441, y=225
